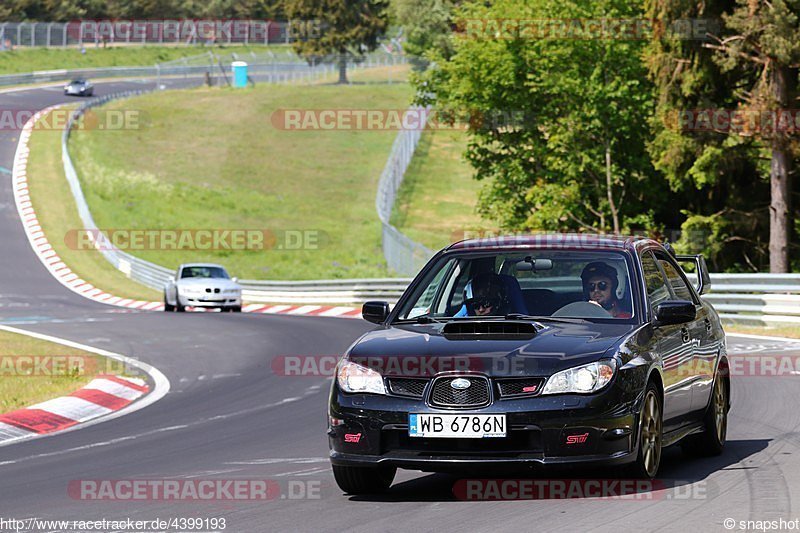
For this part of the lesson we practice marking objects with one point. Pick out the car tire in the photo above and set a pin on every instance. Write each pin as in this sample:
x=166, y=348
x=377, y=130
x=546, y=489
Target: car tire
x=178, y=307
x=364, y=479
x=236, y=308
x=715, y=423
x=167, y=306
x=648, y=455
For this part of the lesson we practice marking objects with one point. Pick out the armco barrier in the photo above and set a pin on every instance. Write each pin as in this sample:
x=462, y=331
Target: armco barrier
x=757, y=299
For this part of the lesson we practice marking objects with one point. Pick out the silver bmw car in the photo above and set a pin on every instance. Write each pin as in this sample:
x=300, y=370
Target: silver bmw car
x=202, y=285
x=79, y=87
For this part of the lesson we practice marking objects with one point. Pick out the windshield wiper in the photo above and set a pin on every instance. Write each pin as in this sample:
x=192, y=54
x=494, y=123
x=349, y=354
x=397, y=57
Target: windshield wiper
x=424, y=319
x=566, y=320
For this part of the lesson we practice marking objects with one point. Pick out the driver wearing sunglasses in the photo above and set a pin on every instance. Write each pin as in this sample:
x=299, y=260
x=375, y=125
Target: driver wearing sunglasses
x=600, y=284
x=484, y=295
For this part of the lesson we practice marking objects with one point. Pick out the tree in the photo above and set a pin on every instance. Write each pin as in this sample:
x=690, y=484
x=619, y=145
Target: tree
x=426, y=24
x=338, y=27
x=765, y=36
x=716, y=178
x=574, y=154
x=723, y=174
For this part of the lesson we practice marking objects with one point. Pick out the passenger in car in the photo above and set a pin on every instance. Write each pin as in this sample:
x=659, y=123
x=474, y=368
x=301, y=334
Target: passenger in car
x=484, y=295
x=600, y=283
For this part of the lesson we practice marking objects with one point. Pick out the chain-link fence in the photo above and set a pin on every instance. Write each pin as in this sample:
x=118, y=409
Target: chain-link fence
x=190, y=32
x=270, y=67
x=282, y=66
x=403, y=255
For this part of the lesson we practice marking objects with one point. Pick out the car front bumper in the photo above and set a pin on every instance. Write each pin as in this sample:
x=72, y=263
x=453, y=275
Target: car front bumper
x=211, y=300
x=542, y=430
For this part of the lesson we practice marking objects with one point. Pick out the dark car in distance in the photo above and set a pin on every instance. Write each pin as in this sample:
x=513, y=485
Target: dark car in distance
x=529, y=351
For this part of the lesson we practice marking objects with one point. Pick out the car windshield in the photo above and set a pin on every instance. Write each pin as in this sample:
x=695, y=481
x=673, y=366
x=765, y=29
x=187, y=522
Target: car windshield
x=543, y=283
x=204, y=272
x=77, y=82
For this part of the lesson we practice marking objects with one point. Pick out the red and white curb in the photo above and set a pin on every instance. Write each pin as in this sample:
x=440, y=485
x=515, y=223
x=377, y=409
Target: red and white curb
x=102, y=396
x=50, y=259
x=103, y=399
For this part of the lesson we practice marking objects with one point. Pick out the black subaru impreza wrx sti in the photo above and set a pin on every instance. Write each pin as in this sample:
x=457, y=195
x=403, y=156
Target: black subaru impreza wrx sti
x=540, y=350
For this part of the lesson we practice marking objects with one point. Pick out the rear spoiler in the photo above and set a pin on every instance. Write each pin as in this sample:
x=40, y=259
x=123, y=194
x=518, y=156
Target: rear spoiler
x=703, y=284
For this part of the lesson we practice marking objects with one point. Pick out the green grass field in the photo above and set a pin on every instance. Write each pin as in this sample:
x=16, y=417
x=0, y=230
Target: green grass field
x=211, y=159
x=33, y=59
x=21, y=385
x=436, y=202
x=57, y=214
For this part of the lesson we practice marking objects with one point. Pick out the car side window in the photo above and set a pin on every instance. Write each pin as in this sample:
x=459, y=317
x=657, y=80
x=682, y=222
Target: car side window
x=657, y=290
x=679, y=286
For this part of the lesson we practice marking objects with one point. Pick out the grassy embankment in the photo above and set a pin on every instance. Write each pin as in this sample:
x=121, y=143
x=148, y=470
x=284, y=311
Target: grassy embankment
x=212, y=159
x=27, y=377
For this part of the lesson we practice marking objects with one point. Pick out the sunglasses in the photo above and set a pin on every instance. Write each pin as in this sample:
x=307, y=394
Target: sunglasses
x=483, y=303
x=601, y=285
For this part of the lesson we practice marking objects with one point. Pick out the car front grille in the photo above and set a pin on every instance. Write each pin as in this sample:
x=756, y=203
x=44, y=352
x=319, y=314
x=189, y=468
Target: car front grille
x=215, y=291
x=517, y=388
x=409, y=387
x=476, y=395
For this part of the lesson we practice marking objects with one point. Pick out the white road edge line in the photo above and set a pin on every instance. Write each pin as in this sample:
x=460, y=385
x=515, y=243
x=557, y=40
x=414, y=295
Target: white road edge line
x=761, y=337
x=160, y=388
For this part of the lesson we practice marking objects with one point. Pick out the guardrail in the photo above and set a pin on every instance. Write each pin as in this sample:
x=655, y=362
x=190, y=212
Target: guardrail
x=757, y=299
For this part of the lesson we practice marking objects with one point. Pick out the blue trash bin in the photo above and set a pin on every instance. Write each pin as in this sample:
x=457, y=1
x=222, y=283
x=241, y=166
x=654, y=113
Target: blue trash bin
x=239, y=74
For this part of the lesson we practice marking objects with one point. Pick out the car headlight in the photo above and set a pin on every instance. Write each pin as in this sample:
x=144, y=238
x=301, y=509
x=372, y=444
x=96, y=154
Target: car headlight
x=231, y=291
x=353, y=377
x=582, y=379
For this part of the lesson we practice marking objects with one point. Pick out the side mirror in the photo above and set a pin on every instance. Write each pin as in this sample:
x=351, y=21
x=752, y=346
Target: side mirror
x=375, y=312
x=674, y=312
x=235, y=279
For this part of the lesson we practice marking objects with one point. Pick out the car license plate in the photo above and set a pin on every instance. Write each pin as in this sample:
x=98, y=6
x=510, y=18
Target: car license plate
x=457, y=426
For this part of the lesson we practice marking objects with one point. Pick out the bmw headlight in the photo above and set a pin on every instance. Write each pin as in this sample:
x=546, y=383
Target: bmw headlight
x=582, y=379
x=231, y=291
x=353, y=377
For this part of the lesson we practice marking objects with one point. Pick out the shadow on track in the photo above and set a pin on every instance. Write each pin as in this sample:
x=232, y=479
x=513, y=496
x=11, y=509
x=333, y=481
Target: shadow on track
x=678, y=473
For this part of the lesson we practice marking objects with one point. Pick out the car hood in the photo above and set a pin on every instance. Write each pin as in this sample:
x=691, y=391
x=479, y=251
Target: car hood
x=554, y=348
x=213, y=283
